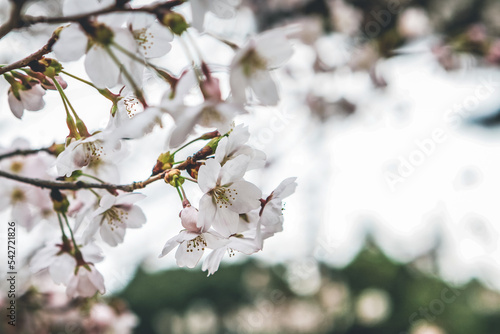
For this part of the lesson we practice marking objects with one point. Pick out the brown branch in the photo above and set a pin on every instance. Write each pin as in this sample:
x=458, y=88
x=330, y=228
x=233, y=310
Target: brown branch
x=25, y=152
x=14, y=20
x=32, y=57
x=31, y=20
x=61, y=185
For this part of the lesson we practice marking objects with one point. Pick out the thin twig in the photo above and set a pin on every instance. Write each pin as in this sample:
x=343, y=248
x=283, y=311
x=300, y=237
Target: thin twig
x=61, y=185
x=32, y=57
x=28, y=20
x=25, y=152
x=14, y=19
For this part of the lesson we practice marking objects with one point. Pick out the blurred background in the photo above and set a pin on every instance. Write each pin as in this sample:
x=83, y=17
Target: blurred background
x=389, y=118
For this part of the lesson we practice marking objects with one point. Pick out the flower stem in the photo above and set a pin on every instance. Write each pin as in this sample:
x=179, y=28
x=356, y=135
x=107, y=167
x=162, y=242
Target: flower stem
x=71, y=232
x=61, y=226
x=137, y=91
x=190, y=179
x=69, y=119
x=185, y=145
x=80, y=79
x=82, y=127
x=179, y=192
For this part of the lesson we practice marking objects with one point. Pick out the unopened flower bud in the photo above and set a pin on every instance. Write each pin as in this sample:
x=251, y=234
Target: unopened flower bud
x=164, y=162
x=59, y=200
x=172, y=177
x=174, y=21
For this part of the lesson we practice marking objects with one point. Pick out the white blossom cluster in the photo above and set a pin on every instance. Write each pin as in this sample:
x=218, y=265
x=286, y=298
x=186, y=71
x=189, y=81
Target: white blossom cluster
x=232, y=216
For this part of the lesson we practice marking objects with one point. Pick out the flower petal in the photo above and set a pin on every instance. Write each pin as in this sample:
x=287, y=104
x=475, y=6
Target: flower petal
x=264, y=87
x=62, y=268
x=207, y=212
x=71, y=44
x=233, y=170
x=208, y=175
x=101, y=69
x=213, y=260
x=226, y=221
x=188, y=257
x=16, y=106
x=246, y=196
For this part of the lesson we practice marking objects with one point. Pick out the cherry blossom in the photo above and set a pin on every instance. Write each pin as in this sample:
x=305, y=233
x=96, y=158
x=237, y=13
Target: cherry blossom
x=213, y=112
x=152, y=38
x=272, y=210
x=235, y=144
x=226, y=194
x=247, y=240
x=114, y=215
x=251, y=65
x=193, y=240
x=80, y=153
x=26, y=98
x=58, y=258
x=105, y=63
x=86, y=282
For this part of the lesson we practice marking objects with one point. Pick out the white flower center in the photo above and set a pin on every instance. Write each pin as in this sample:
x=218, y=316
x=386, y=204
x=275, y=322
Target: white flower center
x=115, y=217
x=91, y=151
x=197, y=243
x=145, y=39
x=224, y=196
x=252, y=62
x=131, y=106
x=17, y=195
x=16, y=166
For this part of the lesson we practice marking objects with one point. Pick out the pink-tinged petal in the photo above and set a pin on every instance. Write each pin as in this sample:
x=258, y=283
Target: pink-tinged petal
x=188, y=257
x=208, y=175
x=135, y=218
x=16, y=106
x=101, y=68
x=246, y=196
x=62, y=268
x=92, y=253
x=71, y=44
x=112, y=235
x=91, y=230
x=23, y=216
x=226, y=222
x=43, y=258
x=285, y=188
x=264, y=87
x=32, y=98
x=272, y=212
x=189, y=219
x=234, y=169
x=97, y=280
x=213, y=260
x=207, y=212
